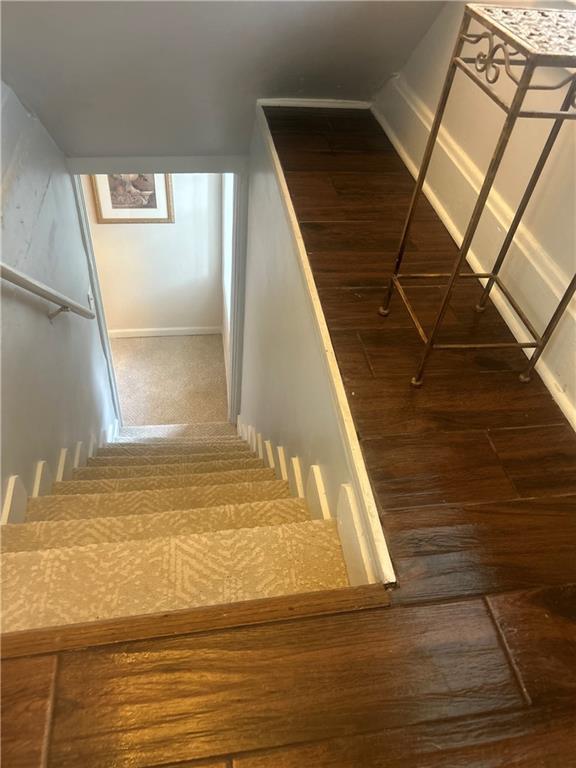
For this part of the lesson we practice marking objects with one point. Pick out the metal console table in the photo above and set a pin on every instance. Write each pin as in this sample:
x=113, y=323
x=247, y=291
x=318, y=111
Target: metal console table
x=518, y=41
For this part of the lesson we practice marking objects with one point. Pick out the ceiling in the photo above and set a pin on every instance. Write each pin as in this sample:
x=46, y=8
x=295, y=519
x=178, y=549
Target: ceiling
x=182, y=78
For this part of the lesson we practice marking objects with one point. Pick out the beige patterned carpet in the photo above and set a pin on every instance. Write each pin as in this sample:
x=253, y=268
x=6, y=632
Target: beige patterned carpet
x=154, y=530
x=171, y=379
x=102, y=581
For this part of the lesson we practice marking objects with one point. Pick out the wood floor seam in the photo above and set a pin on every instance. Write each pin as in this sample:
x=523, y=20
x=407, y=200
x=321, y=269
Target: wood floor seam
x=50, y=713
x=508, y=653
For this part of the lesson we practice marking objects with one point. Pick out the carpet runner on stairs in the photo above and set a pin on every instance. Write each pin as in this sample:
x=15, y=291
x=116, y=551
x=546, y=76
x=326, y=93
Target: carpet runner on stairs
x=165, y=518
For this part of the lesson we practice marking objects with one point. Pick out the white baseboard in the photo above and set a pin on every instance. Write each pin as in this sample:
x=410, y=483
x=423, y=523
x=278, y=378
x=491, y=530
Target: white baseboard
x=43, y=479
x=15, y=497
x=79, y=455
x=295, y=479
x=316, y=494
x=129, y=333
x=355, y=546
x=322, y=103
x=269, y=455
x=14, y=502
x=531, y=273
x=355, y=536
x=280, y=464
x=65, y=466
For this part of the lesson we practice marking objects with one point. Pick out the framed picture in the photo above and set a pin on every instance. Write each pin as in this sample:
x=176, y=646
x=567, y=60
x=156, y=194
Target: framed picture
x=133, y=198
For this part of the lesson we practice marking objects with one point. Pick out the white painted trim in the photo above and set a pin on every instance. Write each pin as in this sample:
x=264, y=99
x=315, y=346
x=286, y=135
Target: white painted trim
x=79, y=457
x=281, y=466
x=321, y=103
x=359, y=475
x=353, y=539
x=92, y=446
x=113, y=431
x=252, y=440
x=238, y=294
x=43, y=480
x=64, y=468
x=14, y=502
x=269, y=454
x=497, y=217
x=316, y=497
x=352, y=534
x=260, y=446
x=295, y=479
x=129, y=333
x=95, y=297
x=103, y=439
x=176, y=164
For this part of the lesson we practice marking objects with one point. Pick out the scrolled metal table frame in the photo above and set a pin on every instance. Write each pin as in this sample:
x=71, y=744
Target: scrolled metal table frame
x=507, y=48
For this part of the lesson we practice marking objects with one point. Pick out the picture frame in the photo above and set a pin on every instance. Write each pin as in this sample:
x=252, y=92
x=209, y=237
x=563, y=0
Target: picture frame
x=133, y=198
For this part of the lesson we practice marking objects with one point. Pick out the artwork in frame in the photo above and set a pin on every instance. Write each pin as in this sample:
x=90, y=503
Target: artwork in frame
x=133, y=198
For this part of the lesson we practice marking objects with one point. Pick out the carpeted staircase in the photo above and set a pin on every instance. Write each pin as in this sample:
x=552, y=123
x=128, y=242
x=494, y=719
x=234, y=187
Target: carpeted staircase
x=164, y=519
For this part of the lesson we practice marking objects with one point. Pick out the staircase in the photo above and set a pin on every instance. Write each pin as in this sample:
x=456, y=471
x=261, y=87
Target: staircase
x=163, y=519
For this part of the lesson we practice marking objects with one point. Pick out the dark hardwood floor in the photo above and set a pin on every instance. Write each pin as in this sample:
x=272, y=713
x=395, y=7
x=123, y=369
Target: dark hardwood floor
x=474, y=473
x=474, y=663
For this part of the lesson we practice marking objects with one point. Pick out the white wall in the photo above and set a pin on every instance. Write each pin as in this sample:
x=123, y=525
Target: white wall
x=292, y=392
x=227, y=264
x=55, y=388
x=163, y=278
x=543, y=258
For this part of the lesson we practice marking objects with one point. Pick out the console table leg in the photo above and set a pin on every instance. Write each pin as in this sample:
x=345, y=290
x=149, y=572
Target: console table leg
x=499, y=150
x=385, y=308
x=481, y=306
x=526, y=375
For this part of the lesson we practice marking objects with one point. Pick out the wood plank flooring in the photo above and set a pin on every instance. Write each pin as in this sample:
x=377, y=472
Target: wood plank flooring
x=474, y=663
x=27, y=695
x=473, y=434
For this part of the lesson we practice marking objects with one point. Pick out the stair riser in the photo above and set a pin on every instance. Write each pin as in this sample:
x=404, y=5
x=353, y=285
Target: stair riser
x=158, y=482
x=164, y=449
x=172, y=458
x=224, y=439
x=208, y=430
x=147, y=502
x=69, y=586
x=105, y=530
x=203, y=467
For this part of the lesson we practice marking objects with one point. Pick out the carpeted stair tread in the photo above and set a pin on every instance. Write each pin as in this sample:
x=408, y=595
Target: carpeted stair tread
x=165, y=448
x=210, y=429
x=112, y=485
x=150, y=470
x=82, y=584
x=75, y=533
x=144, y=502
x=218, y=439
x=171, y=458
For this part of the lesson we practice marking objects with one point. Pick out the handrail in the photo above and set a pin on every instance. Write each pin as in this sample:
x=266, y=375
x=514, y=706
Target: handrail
x=39, y=289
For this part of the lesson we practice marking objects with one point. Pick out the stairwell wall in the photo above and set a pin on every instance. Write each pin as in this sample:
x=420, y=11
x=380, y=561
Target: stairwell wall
x=292, y=393
x=163, y=279
x=55, y=387
x=542, y=258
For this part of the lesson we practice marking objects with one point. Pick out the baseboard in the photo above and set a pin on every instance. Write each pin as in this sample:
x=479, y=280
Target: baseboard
x=452, y=187
x=15, y=496
x=129, y=333
x=14, y=501
x=319, y=103
x=362, y=565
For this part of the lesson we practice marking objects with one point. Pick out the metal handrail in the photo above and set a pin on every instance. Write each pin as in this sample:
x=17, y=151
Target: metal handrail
x=39, y=289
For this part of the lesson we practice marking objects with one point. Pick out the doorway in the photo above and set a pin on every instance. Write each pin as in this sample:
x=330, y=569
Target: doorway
x=165, y=278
